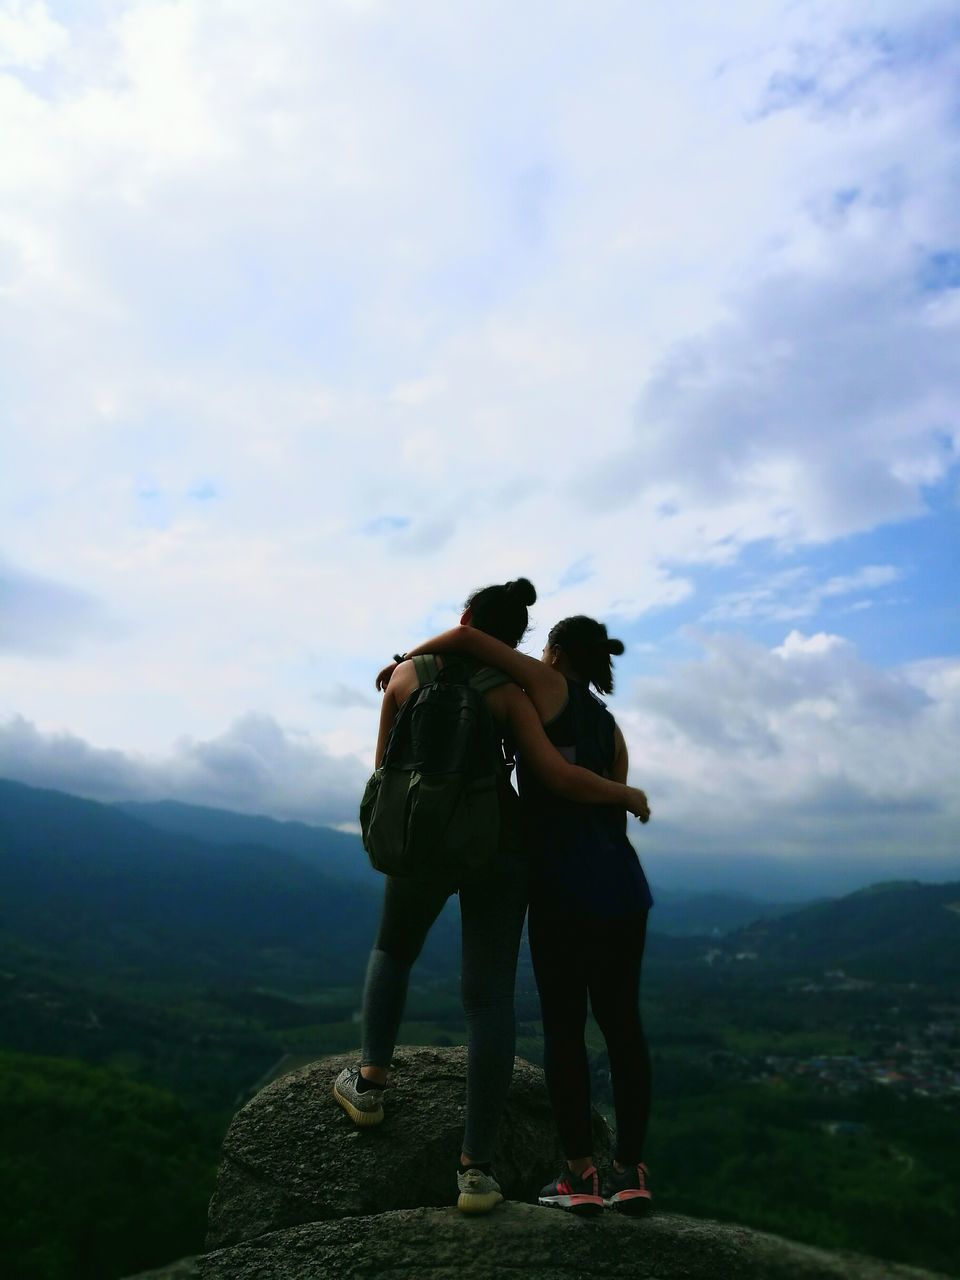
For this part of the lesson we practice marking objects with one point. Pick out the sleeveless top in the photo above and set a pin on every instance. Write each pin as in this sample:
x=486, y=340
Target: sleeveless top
x=580, y=854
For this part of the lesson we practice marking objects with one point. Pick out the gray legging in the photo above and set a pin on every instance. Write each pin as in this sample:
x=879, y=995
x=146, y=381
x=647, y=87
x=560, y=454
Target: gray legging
x=491, y=912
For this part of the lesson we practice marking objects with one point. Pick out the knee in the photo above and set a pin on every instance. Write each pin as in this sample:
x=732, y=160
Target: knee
x=392, y=956
x=564, y=1035
x=619, y=1027
x=402, y=950
x=480, y=998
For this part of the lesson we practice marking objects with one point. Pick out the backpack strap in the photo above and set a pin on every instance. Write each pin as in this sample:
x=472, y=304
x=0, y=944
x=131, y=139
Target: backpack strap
x=483, y=679
x=426, y=667
x=488, y=678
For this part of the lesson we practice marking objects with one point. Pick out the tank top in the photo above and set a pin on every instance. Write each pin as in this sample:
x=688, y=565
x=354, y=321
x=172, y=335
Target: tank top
x=580, y=854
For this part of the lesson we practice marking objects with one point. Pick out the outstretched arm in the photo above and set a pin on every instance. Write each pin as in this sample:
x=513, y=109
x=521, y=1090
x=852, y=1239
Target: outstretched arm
x=568, y=780
x=545, y=685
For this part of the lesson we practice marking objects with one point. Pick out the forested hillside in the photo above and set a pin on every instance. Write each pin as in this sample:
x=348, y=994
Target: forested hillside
x=807, y=1064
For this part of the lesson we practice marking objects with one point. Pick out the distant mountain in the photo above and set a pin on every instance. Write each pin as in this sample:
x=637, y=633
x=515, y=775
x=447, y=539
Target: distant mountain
x=899, y=931
x=829, y=873
x=103, y=891
x=682, y=914
x=333, y=852
x=95, y=894
x=188, y=963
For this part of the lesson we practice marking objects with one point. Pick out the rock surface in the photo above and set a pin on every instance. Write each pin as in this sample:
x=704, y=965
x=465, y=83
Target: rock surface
x=303, y=1195
x=291, y=1156
x=521, y=1240
x=185, y=1269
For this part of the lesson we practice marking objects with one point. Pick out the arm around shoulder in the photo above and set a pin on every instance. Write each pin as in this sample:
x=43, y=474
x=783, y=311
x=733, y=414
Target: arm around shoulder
x=568, y=780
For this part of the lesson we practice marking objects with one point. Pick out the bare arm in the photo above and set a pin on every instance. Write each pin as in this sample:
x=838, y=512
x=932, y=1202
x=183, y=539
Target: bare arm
x=621, y=761
x=546, y=686
x=566, y=779
x=402, y=684
x=621, y=765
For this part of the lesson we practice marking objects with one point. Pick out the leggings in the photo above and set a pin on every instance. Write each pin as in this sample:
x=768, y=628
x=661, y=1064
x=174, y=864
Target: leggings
x=491, y=913
x=575, y=953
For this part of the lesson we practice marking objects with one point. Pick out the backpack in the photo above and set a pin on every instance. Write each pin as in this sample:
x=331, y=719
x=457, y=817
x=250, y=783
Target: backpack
x=433, y=807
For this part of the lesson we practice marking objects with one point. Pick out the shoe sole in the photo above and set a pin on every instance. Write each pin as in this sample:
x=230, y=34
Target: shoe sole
x=633, y=1203
x=482, y=1203
x=363, y=1119
x=585, y=1206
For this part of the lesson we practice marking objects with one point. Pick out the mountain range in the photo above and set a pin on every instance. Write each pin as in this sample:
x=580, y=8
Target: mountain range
x=201, y=894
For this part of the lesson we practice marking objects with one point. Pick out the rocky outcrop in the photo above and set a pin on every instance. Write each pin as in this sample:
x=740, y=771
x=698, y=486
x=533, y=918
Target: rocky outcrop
x=524, y=1242
x=291, y=1156
x=303, y=1195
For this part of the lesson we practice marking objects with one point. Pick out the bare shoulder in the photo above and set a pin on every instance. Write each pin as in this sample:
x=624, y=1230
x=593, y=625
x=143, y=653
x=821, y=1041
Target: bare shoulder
x=403, y=681
x=503, y=700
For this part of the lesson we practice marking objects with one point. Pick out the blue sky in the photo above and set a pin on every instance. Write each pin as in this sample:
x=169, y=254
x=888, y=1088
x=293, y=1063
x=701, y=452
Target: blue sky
x=904, y=611
x=317, y=317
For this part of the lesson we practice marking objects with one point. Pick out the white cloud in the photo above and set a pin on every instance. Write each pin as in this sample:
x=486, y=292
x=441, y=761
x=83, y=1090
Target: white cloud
x=800, y=749
x=29, y=37
x=797, y=644
x=635, y=287
x=795, y=593
x=801, y=753
x=256, y=766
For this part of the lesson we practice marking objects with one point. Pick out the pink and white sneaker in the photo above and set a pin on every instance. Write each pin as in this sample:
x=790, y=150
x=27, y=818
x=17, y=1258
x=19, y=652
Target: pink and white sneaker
x=575, y=1192
x=627, y=1192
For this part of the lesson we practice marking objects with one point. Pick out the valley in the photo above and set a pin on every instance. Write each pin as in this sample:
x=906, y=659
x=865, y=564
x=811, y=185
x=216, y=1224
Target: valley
x=807, y=1064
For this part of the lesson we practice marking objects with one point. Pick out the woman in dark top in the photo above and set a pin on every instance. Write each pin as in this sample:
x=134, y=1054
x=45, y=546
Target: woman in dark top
x=492, y=907
x=589, y=901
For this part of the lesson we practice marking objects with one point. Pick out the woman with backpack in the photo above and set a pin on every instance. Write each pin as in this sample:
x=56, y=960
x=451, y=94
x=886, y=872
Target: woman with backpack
x=492, y=906
x=589, y=900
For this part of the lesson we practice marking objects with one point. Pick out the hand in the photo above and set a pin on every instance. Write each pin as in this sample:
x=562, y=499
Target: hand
x=637, y=804
x=383, y=677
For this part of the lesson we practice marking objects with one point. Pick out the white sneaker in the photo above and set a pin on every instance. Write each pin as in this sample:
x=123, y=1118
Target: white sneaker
x=364, y=1109
x=479, y=1192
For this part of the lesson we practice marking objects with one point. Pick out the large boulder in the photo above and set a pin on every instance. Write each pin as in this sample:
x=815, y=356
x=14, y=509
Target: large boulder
x=521, y=1240
x=303, y=1195
x=291, y=1155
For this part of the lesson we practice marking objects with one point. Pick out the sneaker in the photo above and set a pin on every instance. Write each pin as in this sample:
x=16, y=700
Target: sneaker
x=479, y=1192
x=364, y=1109
x=627, y=1192
x=577, y=1193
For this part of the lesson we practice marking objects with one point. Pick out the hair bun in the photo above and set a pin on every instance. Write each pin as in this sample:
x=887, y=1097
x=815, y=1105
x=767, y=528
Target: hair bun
x=615, y=647
x=523, y=589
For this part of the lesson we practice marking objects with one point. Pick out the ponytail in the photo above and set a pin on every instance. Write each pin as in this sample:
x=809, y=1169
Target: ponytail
x=589, y=649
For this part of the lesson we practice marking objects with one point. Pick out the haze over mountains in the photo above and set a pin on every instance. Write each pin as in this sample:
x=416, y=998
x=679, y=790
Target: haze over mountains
x=672, y=865
x=222, y=896
x=755, y=882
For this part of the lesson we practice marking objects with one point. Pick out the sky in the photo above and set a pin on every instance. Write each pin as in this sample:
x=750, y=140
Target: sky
x=313, y=318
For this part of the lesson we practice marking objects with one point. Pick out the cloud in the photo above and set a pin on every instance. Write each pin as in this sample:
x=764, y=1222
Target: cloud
x=41, y=616
x=801, y=753
x=826, y=404
x=343, y=695
x=802, y=749
x=256, y=766
x=793, y=593
x=600, y=304
x=29, y=37
x=825, y=397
